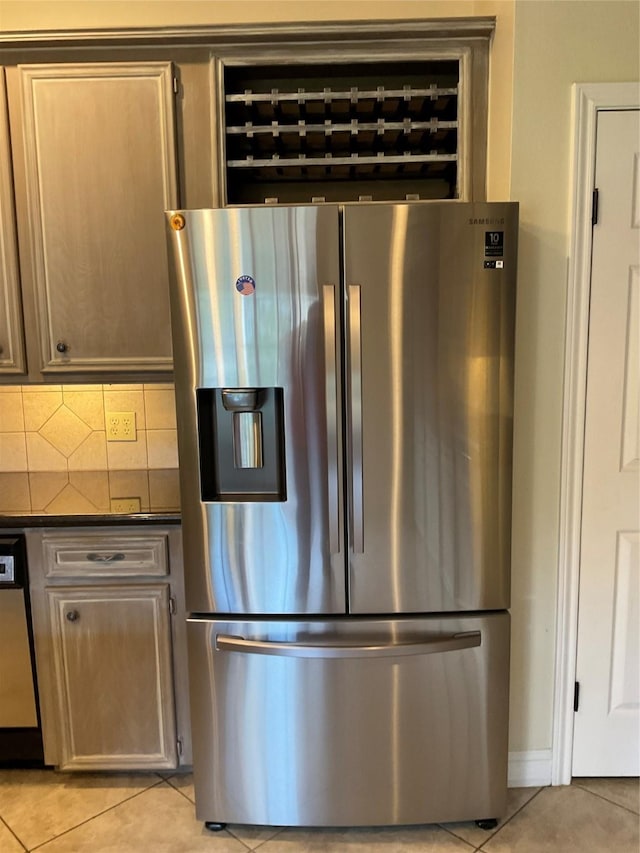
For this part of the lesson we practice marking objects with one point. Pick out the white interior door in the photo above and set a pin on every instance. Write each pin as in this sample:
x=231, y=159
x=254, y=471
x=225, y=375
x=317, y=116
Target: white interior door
x=607, y=723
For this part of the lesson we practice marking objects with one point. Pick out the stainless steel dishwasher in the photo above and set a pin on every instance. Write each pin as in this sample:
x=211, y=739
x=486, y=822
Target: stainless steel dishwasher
x=20, y=731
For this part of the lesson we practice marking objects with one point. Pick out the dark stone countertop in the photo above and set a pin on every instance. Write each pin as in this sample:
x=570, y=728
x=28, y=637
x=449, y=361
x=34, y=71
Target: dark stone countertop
x=21, y=520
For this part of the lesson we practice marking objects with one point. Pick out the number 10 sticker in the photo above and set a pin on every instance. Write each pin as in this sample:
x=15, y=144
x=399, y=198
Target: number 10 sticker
x=494, y=244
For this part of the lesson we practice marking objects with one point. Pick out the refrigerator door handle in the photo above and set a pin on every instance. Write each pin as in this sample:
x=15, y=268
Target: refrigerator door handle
x=355, y=419
x=331, y=397
x=437, y=645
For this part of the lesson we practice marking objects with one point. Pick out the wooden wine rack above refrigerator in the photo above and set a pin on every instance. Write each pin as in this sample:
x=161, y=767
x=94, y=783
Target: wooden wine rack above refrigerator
x=314, y=133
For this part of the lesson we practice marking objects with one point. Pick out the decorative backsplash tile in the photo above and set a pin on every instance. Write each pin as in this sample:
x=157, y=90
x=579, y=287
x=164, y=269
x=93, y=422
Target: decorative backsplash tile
x=161, y=448
x=42, y=455
x=13, y=451
x=14, y=493
x=55, y=457
x=44, y=487
x=160, y=409
x=64, y=430
x=125, y=455
x=38, y=407
x=11, y=413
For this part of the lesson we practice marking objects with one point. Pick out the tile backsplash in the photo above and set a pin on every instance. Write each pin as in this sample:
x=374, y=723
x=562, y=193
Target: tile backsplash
x=55, y=457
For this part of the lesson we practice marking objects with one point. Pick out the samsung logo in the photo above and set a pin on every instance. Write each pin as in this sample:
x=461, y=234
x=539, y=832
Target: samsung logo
x=488, y=220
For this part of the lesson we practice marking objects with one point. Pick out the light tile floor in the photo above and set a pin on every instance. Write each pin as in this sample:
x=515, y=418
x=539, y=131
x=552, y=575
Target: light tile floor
x=146, y=813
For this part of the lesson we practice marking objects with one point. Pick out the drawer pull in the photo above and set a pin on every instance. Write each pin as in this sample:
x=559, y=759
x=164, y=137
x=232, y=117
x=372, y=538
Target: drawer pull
x=105, y=558
x=72, y=615
x=437, y=645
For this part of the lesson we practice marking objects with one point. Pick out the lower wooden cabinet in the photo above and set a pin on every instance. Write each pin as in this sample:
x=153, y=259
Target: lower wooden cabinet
x=109, y=627
x=113, y=675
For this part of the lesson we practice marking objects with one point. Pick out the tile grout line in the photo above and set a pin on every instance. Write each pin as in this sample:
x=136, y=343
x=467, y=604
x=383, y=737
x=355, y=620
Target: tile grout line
x=73, y=411
x=606, y=799
x=188, y=799
x=44, y=438
x=227, y=830
x=266, y=840
x=501, y=826
x=93, y=817
x=259, y=844
x=228, y=833
x=3, y=821
x=235, y=838
x=459, y=837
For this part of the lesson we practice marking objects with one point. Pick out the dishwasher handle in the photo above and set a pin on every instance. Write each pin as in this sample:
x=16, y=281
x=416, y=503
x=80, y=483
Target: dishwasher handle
x=437, y=645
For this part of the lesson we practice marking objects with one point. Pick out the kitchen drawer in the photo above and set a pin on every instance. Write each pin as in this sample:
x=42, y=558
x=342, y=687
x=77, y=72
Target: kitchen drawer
x=104, y=556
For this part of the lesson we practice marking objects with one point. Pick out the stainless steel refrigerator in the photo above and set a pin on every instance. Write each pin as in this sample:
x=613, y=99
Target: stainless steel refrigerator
x=344, y=382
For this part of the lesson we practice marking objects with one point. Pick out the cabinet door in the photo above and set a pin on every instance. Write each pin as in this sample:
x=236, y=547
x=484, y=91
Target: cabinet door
x=11, y=337
x=100, y=171
x=113, y=677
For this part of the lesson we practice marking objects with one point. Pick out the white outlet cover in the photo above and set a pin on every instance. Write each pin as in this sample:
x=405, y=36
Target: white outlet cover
x=121, y=426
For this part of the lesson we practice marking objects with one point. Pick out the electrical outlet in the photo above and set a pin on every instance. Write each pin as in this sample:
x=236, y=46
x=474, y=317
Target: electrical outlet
x=121, y=426
x=125, y=504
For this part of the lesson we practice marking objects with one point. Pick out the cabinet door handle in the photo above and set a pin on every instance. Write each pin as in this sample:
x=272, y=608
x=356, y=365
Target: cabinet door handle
x=62, y=347
x=105, y=558
x=72, y=615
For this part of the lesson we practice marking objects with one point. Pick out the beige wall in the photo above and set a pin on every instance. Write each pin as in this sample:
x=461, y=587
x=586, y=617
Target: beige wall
x=62, y=14
x=556, y=44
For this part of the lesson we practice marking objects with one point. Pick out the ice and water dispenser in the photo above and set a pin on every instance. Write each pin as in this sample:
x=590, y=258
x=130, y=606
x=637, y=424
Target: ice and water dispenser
x=241, y=437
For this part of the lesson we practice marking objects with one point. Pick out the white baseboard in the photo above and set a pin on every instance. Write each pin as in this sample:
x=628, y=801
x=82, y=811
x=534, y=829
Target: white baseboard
x=531, y=769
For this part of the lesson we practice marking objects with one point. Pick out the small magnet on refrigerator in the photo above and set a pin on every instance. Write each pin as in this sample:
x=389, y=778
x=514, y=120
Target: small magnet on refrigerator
x=177, y=222
x=245, y=285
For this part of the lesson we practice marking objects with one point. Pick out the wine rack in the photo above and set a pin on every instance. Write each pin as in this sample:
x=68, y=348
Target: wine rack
x=308, y=134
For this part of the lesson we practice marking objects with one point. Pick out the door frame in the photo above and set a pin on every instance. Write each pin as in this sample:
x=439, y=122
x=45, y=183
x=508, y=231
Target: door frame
x=588, y=99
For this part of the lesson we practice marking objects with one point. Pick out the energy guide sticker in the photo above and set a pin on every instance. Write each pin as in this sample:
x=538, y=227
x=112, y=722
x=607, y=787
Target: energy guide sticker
x=494, y=244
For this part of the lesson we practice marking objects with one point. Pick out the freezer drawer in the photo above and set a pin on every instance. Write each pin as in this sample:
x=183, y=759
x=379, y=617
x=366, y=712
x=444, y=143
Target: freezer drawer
x=350, y=722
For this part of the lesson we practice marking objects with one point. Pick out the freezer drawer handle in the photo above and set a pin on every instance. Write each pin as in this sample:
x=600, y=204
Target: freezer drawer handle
x=451, y=643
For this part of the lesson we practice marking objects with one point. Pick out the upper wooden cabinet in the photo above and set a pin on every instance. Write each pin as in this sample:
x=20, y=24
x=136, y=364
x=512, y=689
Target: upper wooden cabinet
x=99, y=171
x=11, y=337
